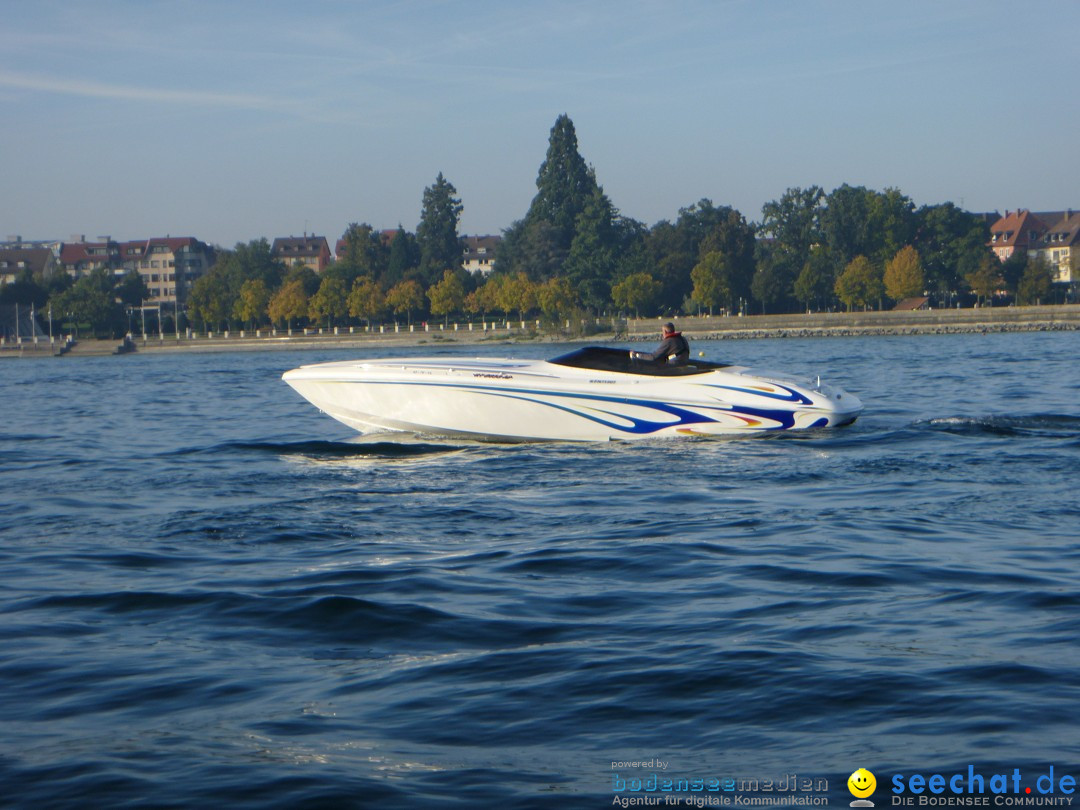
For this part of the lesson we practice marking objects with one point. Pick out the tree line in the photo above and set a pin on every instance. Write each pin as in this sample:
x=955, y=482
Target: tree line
x=573, y=252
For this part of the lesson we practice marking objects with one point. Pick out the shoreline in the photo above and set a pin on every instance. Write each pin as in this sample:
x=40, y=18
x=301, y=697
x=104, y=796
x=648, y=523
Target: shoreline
x=983, y=320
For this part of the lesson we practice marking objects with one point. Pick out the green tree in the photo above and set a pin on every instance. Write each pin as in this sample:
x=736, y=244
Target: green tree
x=794, y=223
x=211, y=301
x=904, y=275
x=132, y=289
x=308, y=278
x=951, y=244
x=437, y=234
x=366, y=300
x=857, y=221
x=532, y=248
x=251, y=305
x=404, y=297
x=860, y=284
x=251, y=260
x=711, y=281
x=564, y=184
x=91, y=301
x=814, y=284
x=636, y=292
x=985, y=279
x=447, y=296
x=1035, y=284
x=591, y=262
x=404, y=260
x=363, y=253
x=289, y=303
x=25, y=289
x=329, y=301
x=773, y=285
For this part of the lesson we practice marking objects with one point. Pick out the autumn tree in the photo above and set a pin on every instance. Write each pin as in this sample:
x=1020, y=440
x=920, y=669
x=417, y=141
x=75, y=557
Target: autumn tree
x=366, y=300
x=903, y=276
x=289, y=303
x=251, y=305
x=518, y=293
x=485, y=298
x=448, y=295
x=556, y=298
x=329, y=301
x=404, y=297
x=860, y=284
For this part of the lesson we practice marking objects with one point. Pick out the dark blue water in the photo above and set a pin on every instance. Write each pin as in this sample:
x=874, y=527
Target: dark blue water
x=213, y=595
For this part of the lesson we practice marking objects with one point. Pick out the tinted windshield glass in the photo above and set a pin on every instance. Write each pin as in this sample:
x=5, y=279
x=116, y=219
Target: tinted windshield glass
x=602, y=358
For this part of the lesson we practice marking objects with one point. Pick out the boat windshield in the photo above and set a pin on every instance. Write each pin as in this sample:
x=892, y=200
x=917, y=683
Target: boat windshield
x=601, y=358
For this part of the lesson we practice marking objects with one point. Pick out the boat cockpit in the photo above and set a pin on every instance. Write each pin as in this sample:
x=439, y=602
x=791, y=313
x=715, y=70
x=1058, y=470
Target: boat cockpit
x=602, y=358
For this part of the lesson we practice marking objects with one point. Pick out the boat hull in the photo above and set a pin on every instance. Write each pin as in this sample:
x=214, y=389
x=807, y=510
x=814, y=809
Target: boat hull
x=515, y=400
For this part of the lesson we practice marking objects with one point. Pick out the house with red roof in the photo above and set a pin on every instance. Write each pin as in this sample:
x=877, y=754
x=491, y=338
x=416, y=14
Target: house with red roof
x=79, y=257
x=1017, y=231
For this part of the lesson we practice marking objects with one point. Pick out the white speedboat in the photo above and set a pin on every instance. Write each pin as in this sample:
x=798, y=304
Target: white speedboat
x=591, y=394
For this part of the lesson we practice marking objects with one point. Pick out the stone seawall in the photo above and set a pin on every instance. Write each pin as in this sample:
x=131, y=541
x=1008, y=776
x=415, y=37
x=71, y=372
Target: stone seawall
x=830, y=324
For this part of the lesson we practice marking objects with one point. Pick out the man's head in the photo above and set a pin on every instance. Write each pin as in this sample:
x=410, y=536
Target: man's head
x=668, y=328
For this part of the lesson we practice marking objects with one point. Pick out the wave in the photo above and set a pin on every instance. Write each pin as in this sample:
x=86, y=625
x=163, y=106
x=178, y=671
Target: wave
x=324, y=450
x=1051, y=426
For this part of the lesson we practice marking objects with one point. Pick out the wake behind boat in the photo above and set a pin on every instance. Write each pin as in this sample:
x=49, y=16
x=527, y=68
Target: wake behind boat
x=590, y=394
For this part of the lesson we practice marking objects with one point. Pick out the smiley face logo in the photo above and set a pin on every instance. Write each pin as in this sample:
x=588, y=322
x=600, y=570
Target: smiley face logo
x=861, y=783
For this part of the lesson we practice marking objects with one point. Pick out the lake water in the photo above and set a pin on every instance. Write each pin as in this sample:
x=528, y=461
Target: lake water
x=213, y=595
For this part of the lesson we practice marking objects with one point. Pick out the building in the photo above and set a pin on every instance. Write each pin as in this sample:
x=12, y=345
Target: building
x=1060, y=248
x=19, y=242
x=40, y=261
x=169, y=265
x=306, y=251
x=79, y=257
x=1017, y=231
x=478, y=254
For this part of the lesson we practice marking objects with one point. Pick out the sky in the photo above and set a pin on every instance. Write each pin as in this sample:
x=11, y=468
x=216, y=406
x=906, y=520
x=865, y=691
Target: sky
x=232, y=120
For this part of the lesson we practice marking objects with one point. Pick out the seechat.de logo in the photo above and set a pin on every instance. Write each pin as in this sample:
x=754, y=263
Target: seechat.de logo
x=861, y=784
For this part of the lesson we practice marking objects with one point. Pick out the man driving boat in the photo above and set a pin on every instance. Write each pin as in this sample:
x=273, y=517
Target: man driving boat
x=673, y=349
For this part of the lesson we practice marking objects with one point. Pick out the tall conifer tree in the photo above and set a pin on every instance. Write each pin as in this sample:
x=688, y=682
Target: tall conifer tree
x=437, y=234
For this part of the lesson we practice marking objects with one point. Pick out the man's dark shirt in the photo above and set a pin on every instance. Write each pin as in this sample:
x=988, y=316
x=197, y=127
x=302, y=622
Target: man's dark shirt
x=674, y=344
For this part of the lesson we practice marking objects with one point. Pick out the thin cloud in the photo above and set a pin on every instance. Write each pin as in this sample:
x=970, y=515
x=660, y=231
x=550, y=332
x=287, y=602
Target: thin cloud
x=119, y=92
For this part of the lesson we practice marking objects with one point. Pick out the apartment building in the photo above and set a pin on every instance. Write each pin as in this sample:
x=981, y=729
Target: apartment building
x=307, y=251
x=1059, y=247
x=169, y=265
